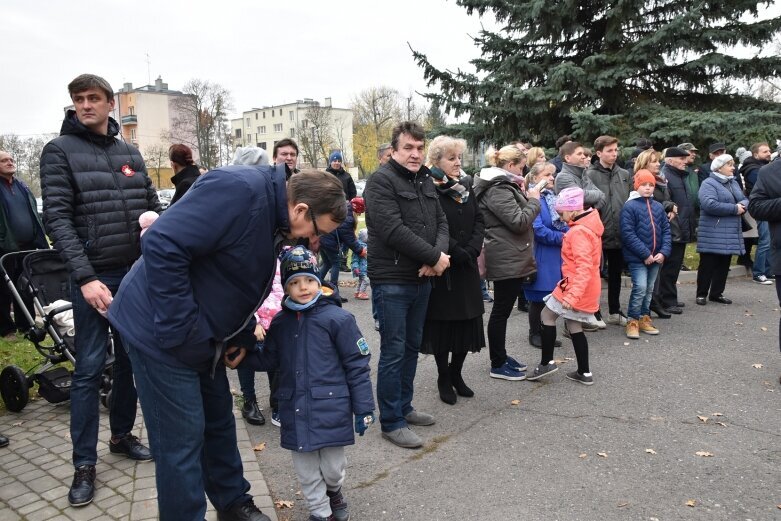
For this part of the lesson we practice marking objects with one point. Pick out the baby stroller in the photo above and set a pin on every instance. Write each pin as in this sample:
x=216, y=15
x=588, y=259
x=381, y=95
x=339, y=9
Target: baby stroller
x=44, y=279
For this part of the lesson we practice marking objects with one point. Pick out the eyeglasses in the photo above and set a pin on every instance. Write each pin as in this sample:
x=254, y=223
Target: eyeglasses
x=314, y=222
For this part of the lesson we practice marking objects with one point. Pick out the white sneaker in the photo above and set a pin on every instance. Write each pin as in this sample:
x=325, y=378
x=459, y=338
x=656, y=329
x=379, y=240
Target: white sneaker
x=598, y=320
x=761, y=279
x=617, y=319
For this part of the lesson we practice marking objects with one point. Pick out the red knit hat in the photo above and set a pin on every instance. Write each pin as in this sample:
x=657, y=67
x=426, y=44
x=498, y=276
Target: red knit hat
x=644, y=176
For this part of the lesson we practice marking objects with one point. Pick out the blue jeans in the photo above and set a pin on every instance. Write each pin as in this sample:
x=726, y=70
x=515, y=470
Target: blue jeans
x=762, y=256
x=192, y=435
x=643, y=279
x=330, y=263
x=91, y=342
x=401, y=310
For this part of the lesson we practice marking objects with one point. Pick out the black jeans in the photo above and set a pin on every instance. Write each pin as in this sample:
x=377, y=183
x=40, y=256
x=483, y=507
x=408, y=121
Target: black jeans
x=667, y=295
x=505, y=294
x=615, y=266
x=712, y=274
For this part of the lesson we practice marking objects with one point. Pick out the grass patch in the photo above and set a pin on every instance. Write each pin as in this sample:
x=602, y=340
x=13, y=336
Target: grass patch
x=19, y=352
x=692, y=259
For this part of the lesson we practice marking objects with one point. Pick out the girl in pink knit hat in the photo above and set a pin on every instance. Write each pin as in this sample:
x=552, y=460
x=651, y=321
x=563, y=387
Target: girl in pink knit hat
x=576, y=296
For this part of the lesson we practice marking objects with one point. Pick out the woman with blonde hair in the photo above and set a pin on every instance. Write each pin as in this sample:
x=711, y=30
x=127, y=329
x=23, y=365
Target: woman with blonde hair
x=535, y=155
x=454, y=319
x=509, y=237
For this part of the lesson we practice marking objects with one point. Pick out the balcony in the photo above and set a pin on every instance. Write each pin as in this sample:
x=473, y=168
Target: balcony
x=131, y=119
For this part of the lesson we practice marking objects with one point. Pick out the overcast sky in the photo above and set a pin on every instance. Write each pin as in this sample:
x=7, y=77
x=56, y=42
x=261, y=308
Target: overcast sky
x=265, y=53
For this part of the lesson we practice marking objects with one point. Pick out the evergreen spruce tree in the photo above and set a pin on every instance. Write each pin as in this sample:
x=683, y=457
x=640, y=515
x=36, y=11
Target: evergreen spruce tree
x=658, y=68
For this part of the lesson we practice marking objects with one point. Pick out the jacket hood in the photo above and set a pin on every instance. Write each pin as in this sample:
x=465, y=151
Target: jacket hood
x=72, y=125
x=634, y=194
x=752, y=163
x=488, y=177
x=572, y=169
x=590, y=220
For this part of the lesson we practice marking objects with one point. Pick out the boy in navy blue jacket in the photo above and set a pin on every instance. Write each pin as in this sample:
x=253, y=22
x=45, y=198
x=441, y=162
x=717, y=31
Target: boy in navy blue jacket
x=323, y=364
x=645, y=236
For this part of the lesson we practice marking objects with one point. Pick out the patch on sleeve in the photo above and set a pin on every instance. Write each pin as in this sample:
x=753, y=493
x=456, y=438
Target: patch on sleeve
x=363, y=346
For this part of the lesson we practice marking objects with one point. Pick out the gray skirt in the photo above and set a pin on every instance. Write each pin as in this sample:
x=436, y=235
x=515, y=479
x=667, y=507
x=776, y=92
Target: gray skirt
x=569, y=314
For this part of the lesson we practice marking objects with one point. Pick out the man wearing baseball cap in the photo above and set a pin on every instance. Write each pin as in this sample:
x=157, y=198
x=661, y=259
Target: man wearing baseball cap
x=714, y=151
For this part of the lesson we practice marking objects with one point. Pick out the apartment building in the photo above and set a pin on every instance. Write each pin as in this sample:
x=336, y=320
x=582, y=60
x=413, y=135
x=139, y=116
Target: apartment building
x=307, y=121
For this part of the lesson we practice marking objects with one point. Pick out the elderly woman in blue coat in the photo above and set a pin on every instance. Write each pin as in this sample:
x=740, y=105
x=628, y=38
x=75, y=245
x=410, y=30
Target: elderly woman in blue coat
x=720, y=234
x=549, y=230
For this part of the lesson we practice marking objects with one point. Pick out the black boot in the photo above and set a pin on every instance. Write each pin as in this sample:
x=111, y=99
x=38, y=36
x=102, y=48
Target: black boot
x=251, y=412
x=446, y=392
x=659, y=310
x=445, y=386
x=456, y=365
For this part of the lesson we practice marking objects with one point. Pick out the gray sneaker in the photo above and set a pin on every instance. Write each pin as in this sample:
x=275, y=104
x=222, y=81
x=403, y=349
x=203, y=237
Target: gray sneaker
x=419, y=418
x=543, y=370
x=403, y=437
x=580, y=378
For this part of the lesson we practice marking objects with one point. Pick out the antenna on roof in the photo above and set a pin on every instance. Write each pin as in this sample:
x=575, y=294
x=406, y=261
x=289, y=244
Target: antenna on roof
x=148, y=70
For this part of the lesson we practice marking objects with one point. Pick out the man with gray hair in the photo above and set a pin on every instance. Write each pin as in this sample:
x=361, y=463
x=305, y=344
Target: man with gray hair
x=384, y=153
x=95, y=187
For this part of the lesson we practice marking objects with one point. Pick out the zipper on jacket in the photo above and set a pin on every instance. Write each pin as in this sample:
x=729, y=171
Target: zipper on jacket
x=653, y=224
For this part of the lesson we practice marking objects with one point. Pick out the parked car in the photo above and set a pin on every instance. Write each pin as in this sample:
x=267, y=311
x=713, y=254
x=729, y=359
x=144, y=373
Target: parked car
x=359, y=187
x=165, y=195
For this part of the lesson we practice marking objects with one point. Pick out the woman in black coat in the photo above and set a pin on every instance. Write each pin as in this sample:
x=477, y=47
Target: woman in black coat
x=454, y=321
x=185, y=170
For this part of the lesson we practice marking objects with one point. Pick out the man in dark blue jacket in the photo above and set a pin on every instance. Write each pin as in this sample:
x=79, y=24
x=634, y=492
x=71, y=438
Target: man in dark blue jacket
x=208, y=263
x=765, y=204
x=335, y=242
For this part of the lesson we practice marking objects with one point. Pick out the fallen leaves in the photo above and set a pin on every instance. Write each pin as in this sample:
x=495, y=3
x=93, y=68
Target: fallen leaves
x=650, y=451
x=626, y=343
x=704, y=454
x=17, y=424
x=703, y=419
x=623, y=504
x=602, y=454
x=281, y=503
x=757, y=366
x=763, y=328
x=583, y=455
x=691, y=503
x=515, y=402
x=259, y=447
x=717, y=414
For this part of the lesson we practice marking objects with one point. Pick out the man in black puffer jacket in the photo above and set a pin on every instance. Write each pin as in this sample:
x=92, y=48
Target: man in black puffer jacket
x=408, y=241
x=95, y=187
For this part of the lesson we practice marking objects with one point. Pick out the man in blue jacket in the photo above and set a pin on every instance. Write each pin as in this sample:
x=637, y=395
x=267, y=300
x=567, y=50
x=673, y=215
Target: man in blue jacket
x=208, y=263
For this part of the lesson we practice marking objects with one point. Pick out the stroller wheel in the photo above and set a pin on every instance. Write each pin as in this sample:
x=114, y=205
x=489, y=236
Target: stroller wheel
x=105, y=399
x=14, y=388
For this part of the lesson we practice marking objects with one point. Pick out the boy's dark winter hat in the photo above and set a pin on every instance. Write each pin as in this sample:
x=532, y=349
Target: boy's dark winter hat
x=298, y=262
x=688, y=146
x=335, y=156
x=675, y=152
x=715, y=147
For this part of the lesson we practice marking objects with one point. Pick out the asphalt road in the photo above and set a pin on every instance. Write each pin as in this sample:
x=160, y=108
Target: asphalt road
x=624, y=448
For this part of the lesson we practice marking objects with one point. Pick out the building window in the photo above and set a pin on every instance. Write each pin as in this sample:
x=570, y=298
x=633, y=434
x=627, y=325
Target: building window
x=248, y=122
x=256, y=115
x=292, y=132
x=277, y=127
x=132, y=134
x=262, y=129
x=264, y=114
x=272, y=113
x=292, y=115
x=238, y=133
x=304, y=123
x=262, y=145
x=131, y=110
